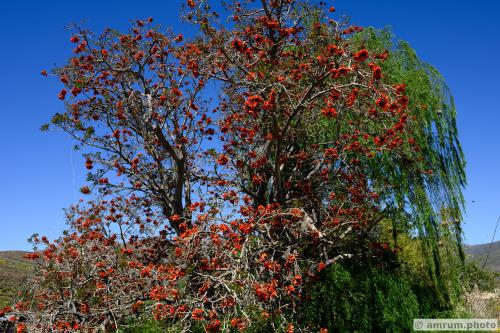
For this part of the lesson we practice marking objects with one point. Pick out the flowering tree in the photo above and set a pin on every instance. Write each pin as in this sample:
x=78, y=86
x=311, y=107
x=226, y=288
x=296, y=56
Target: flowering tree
x=214, y=216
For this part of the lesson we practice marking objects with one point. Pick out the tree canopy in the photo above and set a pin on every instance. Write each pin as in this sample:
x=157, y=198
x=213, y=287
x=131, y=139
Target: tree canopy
x=218, y=215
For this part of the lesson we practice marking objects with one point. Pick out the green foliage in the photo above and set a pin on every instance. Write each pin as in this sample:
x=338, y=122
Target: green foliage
x=413, y=259
x=484, y=280
x=421, y=192
x=362, y=300
x=436, y=135
x=427, y=205
x=146, y=326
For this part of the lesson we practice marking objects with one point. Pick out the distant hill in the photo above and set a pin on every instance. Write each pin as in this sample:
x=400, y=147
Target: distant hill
x=479, y=253
x=13, y=271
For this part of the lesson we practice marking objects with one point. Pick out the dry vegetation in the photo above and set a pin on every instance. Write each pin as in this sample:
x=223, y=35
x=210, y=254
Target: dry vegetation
x=13, y=271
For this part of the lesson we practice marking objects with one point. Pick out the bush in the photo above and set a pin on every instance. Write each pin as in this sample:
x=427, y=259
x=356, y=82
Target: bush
x=145, y=326
x=356, y=300
x=479, y=278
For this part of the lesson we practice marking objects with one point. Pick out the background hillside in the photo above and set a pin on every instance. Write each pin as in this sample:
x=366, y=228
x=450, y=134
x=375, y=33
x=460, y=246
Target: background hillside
x=479, y=253
x=13, y=271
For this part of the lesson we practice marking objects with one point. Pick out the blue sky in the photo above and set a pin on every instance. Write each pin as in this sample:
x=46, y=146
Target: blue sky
x=40, y=175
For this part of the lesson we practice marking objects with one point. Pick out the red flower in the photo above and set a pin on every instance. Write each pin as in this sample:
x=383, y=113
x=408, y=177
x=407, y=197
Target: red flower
x=256, y=179
x=138, y=56
x=5, y=310
x=146, y=271
x=321, y=266
x=332, y=9
x=338, y=72
x=103, y=181
x=331, y=153
x=382, y=56
x=329, y=112
x=297, y=280
x=43, y=72
x=297, y=212
x=197, y=314
x=75, y=91
x=62, y=94
x=352, y=97
x=213, y=325
x=127, y=252
x=239, y=45
x=191, y=3
x=89, y=164
x=376, y=70
x=32, y=256
x=383, y=101
x=400, y=88
x=222, y=160
x=361, y=55
x=259, y=38
x=252, y=104
x=124, y=39
x=85, y=190
x=176, y=91
x=238, y=323
x=266, y=291
x=74, y=39
x=21, y=328
x=175, y=218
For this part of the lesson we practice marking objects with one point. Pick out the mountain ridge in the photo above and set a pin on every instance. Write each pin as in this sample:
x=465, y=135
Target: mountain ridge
x=479, y=253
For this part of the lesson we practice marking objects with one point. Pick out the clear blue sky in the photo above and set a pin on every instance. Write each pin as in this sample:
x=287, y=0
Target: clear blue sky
x=462, y=39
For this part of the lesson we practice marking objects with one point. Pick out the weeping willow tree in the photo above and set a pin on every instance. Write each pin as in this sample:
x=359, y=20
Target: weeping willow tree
x=421, y=189
x=424, y=205
x=421, y=209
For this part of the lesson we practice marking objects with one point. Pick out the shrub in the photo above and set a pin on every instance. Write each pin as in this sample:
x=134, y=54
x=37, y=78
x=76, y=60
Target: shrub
x=358, y=299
